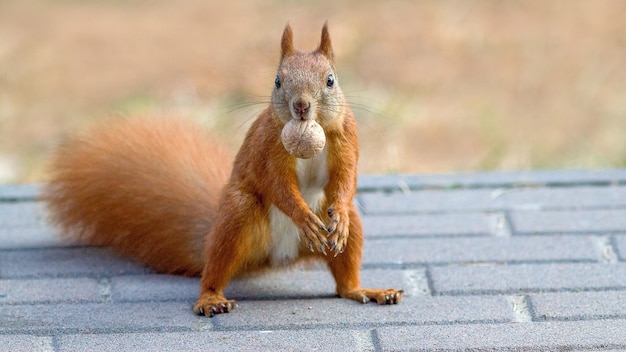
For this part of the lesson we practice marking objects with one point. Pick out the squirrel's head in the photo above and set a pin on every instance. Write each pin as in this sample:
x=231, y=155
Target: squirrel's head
x=306, y=85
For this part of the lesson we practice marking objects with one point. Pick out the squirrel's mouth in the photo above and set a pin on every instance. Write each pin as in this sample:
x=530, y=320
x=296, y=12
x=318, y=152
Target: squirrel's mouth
x=301, y=108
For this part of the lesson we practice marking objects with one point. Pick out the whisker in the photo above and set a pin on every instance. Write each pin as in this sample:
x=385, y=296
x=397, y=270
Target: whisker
x=239, y=106
x=247, y=119
x=338, y=108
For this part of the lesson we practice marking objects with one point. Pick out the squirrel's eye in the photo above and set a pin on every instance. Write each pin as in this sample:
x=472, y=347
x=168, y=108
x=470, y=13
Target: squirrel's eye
x=277, y=82
x=330, y=81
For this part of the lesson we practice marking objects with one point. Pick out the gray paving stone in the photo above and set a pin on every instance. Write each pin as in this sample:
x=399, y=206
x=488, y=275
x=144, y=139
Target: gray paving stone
x=283, y=284
x=256, y=315
x=578, y=305
x=35, y=236
x=310, y=284
x=454, y=280
x=274, y=285
x=287, y=284
x=341, y=313
x=478, y=250
x=26, y=343
x=413, y=282
x=100, y=317
x=266, y=340
x=492, y=179
x=22, y=214
x=24, y=225
x=49, y=291
x=22, y=192
x=589, y=221
x=65, y=262
x=463, y=200
x=154, y=287
x=620, y=243
x=544, y=336
x=426, y=225
x=562, y=198
x=493, y=200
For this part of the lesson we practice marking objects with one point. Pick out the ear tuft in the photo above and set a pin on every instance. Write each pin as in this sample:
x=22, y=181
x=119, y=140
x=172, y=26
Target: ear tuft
x=286, y=43
x=326, y=47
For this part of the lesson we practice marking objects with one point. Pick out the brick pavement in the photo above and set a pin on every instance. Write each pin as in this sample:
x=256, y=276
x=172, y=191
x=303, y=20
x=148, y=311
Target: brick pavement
x=529, y=261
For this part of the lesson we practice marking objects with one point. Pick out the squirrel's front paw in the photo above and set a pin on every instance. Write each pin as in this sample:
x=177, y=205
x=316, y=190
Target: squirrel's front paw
x=338, y=229
x=313, y=232
x=210, y=304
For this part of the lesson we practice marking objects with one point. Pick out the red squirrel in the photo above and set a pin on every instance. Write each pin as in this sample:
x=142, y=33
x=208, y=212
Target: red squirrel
x=158, y=190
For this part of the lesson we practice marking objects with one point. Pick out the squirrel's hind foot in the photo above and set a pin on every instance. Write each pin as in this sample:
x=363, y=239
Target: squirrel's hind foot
x=382, y=297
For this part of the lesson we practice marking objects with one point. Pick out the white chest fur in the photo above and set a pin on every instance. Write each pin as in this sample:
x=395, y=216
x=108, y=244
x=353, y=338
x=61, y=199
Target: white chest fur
x=312, y=178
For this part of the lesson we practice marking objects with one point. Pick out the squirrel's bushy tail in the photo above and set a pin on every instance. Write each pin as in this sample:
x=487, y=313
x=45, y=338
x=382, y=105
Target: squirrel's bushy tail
x=148, y=187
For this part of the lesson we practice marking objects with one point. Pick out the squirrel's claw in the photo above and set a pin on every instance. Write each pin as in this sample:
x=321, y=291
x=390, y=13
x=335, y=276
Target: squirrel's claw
x=338, y=229
x=314, y=231
x=211, y=304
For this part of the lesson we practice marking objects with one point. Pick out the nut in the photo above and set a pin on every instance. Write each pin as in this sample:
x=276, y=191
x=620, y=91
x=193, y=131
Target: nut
x=303, y=139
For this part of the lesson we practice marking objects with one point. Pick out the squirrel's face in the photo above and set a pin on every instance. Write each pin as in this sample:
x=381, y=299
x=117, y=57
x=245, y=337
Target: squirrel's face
x=306, y=85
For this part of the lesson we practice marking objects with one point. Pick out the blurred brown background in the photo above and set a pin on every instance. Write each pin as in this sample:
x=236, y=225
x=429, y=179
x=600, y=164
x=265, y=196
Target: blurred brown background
x=438, y=86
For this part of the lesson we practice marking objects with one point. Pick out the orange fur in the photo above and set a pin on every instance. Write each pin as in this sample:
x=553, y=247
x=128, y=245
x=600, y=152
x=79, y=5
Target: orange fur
x=158, y=191
x=146, y=186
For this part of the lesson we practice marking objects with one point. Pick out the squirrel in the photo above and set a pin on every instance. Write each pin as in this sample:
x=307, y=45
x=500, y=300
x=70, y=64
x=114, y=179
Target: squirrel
x=159, y=190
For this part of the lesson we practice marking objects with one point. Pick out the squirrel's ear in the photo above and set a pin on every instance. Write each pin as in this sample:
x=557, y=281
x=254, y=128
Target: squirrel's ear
x=286, y=44
x=326, y=47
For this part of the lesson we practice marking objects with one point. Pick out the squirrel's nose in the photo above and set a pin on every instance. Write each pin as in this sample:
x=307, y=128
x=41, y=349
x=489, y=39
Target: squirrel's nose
x=301, y=108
